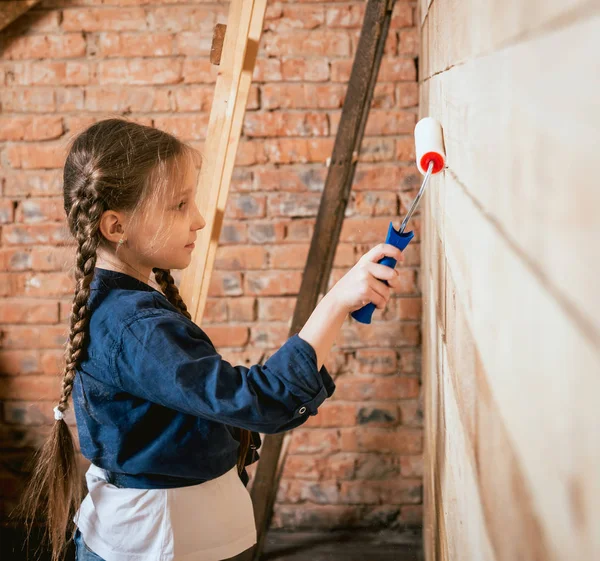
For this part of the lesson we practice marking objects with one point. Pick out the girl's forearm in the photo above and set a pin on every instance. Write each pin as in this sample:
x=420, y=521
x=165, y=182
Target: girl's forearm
x=322, y=327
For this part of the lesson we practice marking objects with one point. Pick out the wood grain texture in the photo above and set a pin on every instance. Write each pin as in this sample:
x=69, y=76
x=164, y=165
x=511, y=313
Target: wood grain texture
x=511, y=316
x=244, y=27
x=10, y=11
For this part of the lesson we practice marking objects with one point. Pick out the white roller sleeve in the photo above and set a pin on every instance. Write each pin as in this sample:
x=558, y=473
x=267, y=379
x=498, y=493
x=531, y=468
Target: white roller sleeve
x=429, y=145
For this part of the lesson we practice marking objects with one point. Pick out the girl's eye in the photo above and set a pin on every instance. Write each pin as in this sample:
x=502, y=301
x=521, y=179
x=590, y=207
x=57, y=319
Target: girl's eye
x=180, y=205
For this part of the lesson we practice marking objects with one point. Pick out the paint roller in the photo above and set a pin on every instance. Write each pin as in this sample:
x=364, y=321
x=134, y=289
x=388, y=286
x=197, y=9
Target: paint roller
x=431, y=158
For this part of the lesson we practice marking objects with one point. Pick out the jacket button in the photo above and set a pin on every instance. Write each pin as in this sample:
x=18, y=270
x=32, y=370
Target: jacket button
x=302, y=410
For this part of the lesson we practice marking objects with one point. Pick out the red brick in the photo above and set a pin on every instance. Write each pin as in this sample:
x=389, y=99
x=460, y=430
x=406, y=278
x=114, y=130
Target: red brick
x=287, y=150
x=189, y=43
x=302, y=96
x=215, y=310
x=402, y=16
x=411, y=413
x=140, y=71
x=319, y=468
x=241, y=309
x=286, y=124
x=233, y=233
x=174, y=19
x=299, y=231
x=68, y=45
x=361, y=388
x=6, y=212
x=40, y=210
x=294, y=205
x=334, y=414
x=380, y=334
x=267, y=70
x=344, y=256
x=405, y=149
x=266, y=232
x=382, y=122
x=37, y=100
x=294, y=17
x=384, y=441
x=34, y=21
x=134, y=44
x=411, y=466
x=236, y=258
x=307, y=43
x=26, y=234
x=48, y=73
x=276, y=309
x=409, y=42
x=185, y=127
x=227, y=335
x=375, y=203
x=36, y=156
x=30, y=387
x=224, y=283
x=52, y=258
x=199, y=71
x=407, y=94
x=272, y=283
x=303, y=70
x=28, y=310
x=288, y=256
x=19, y=362
x=315, y=441
x=269, y=335
x=246, y=206
x=345, y=16
x=15, y=259
x=193, y=98
x=375, y=361
x=398, y=491
x=104, y=19
x=377, y=466
x=30, y=128
x=34, y=184
x=250, y=152
x=52, y=362
x=397, y=70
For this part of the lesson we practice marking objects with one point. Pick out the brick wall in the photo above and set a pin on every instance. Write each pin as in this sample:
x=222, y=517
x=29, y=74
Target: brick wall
x=67, y=64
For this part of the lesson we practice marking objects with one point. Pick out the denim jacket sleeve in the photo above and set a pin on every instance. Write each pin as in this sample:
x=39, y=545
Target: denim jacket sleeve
x=165, y=358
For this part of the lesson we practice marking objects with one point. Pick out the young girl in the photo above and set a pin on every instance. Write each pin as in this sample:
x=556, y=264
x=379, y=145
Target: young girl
x=166, y=422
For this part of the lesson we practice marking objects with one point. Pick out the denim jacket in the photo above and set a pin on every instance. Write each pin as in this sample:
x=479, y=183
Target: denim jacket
x=158, y=407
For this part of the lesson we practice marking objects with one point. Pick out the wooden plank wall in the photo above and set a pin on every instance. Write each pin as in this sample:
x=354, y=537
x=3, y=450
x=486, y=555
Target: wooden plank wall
x=510, y=265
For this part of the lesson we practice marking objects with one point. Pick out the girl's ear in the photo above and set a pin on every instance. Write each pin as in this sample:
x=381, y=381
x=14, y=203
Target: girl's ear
x=112, y=225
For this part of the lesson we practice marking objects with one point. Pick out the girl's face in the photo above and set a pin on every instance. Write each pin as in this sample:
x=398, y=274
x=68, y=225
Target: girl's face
x=161, y=235
x=168, y=230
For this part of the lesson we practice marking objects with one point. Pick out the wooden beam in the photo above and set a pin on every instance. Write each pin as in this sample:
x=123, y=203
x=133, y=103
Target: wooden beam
x=244, y=27
x=327, y=228
x=10, y=11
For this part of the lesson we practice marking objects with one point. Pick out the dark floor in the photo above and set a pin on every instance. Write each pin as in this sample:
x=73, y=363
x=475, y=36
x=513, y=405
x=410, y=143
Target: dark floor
x=351, y=545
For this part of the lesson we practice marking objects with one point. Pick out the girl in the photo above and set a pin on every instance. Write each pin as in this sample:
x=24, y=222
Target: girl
x=166, y=422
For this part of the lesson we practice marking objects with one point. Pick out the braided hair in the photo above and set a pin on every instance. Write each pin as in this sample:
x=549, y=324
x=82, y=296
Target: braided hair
x=119, y=165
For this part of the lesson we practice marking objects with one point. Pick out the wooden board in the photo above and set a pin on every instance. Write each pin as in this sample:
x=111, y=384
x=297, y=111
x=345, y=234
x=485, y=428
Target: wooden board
x=10, y=11
x=511, y=320
x=244, y=27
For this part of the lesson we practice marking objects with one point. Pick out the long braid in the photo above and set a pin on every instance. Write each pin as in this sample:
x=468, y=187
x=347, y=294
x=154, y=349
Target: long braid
x=86, y=215
x=56, y=489
x=167, y=284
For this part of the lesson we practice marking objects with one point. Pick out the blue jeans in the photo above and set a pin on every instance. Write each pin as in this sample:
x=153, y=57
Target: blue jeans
x=82, y=551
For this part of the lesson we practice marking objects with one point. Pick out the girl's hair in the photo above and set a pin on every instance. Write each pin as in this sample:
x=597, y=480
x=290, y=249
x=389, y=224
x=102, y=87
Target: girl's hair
x=118, y=165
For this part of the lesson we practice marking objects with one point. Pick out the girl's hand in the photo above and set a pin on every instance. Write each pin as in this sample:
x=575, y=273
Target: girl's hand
x=364, y=282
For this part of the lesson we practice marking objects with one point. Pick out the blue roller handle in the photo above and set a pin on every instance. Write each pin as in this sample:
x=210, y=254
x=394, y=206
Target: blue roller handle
x=398, y=240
